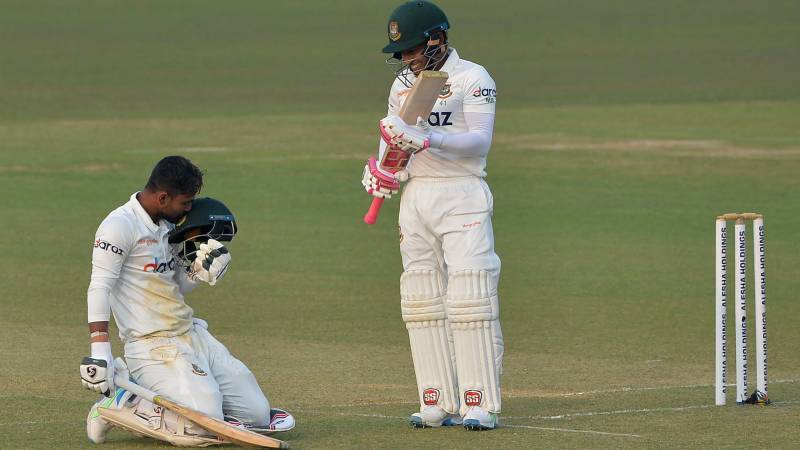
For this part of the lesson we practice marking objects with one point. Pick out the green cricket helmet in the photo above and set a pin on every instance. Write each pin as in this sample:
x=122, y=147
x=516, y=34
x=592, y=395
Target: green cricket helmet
x=208, y=219
x=414, y=23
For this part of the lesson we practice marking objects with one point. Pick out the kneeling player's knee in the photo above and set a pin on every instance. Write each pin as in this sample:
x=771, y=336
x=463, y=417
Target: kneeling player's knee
x=252, y=410
x=204, y=398
x=209, y=404
x=422, y=295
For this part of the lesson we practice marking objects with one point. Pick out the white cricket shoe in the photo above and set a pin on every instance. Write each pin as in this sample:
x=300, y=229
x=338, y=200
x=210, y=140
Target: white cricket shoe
x=433, y=417
x=477, y=419
x=280, y=420
x=96, y=426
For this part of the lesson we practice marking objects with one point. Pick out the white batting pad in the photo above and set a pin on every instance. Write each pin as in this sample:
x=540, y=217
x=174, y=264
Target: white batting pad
x=422, y=303
x=152, y=421
x=473, y=313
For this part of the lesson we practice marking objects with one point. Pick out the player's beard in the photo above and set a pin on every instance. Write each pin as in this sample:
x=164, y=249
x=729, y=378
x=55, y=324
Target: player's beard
x=172, y=218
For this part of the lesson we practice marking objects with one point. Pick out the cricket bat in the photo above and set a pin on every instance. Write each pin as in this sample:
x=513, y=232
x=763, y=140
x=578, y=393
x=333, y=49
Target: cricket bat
x=222, y=429
x=419, y=103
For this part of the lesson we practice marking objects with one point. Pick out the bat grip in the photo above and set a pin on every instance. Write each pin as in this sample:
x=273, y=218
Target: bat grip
x=372, y=215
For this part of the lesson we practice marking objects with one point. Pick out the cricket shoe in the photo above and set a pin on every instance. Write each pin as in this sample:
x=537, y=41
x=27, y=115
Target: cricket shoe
x=477, y=419
x=97, y=427
x=433, y=417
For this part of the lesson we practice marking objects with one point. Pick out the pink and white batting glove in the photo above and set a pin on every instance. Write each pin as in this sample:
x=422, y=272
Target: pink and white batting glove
x=409, y=138
x=379, y=182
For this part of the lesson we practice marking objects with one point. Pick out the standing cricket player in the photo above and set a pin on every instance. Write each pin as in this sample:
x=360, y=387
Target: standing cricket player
x=448, y=288
x=142, y=266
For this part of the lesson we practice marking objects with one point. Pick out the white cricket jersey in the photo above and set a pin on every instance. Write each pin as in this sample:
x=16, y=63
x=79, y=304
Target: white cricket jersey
x=133, y=258
x=469, y=88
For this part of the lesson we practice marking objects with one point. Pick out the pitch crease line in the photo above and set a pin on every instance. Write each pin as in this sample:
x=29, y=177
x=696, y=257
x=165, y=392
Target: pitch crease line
x=657, y=388
x=628, y=411
x=566, y=430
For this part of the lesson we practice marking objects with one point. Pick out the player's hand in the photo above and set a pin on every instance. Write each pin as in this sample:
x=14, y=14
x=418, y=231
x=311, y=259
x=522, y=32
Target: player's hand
x=410, y=138
x=211, y=262
x=97, y=371
x=379, y=182
x=200, y=322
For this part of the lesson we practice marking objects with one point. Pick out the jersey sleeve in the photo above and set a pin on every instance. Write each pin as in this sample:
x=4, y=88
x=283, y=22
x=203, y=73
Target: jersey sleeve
x=112, y=243
x=185, y=284
x=475, y=143
x=480, y=92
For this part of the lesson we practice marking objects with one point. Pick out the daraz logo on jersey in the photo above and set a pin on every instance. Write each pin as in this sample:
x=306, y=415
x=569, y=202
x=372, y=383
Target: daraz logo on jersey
x=107, y=246
x=158, y=267
x=485, y=92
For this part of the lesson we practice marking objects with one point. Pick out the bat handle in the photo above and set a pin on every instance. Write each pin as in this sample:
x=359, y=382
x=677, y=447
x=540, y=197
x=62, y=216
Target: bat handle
x=372, y=215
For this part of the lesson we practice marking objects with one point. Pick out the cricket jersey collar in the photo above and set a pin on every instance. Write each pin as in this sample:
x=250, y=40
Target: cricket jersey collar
x=141, y=214
x=452, y=61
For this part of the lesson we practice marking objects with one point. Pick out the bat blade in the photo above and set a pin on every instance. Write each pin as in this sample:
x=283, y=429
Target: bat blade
x=419, y=103
x=221, y=428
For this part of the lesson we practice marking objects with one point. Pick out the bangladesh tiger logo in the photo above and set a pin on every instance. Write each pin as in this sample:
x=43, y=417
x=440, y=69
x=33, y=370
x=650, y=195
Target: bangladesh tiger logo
x=394, y=31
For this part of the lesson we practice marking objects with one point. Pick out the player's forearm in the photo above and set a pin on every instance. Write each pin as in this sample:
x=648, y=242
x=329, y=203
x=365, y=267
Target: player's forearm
x=463, y=144
x=98, y=306
x=475, y=143
x=185, y=285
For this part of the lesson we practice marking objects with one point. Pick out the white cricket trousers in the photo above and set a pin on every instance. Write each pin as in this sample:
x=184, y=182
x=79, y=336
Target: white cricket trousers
x=446, y=225
x=446, y=228
x=197, y=371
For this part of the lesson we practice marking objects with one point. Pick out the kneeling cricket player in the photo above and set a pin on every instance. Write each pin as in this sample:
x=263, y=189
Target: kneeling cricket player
x=142, y=266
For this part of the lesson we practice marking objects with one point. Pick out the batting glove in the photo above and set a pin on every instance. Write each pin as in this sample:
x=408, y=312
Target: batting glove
x=379, y=182
x=211, y=262
x=409, y=138
x=97, y=371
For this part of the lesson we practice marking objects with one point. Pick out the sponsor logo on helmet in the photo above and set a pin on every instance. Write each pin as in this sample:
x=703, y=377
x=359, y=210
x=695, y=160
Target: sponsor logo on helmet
x=430, y=396
x=160, y=267
x=473, y=398
x=198, y=371
x=103, y=245
x=445, y=92
x=485, y=92
x=394, y=31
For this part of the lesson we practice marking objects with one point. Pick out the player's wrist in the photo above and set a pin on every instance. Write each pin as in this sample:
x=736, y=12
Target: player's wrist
x=436, y=139
x=101, y=350
x=98, y=336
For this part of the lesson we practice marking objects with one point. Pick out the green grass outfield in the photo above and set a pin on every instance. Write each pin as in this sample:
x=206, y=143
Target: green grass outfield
x=622, y=130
